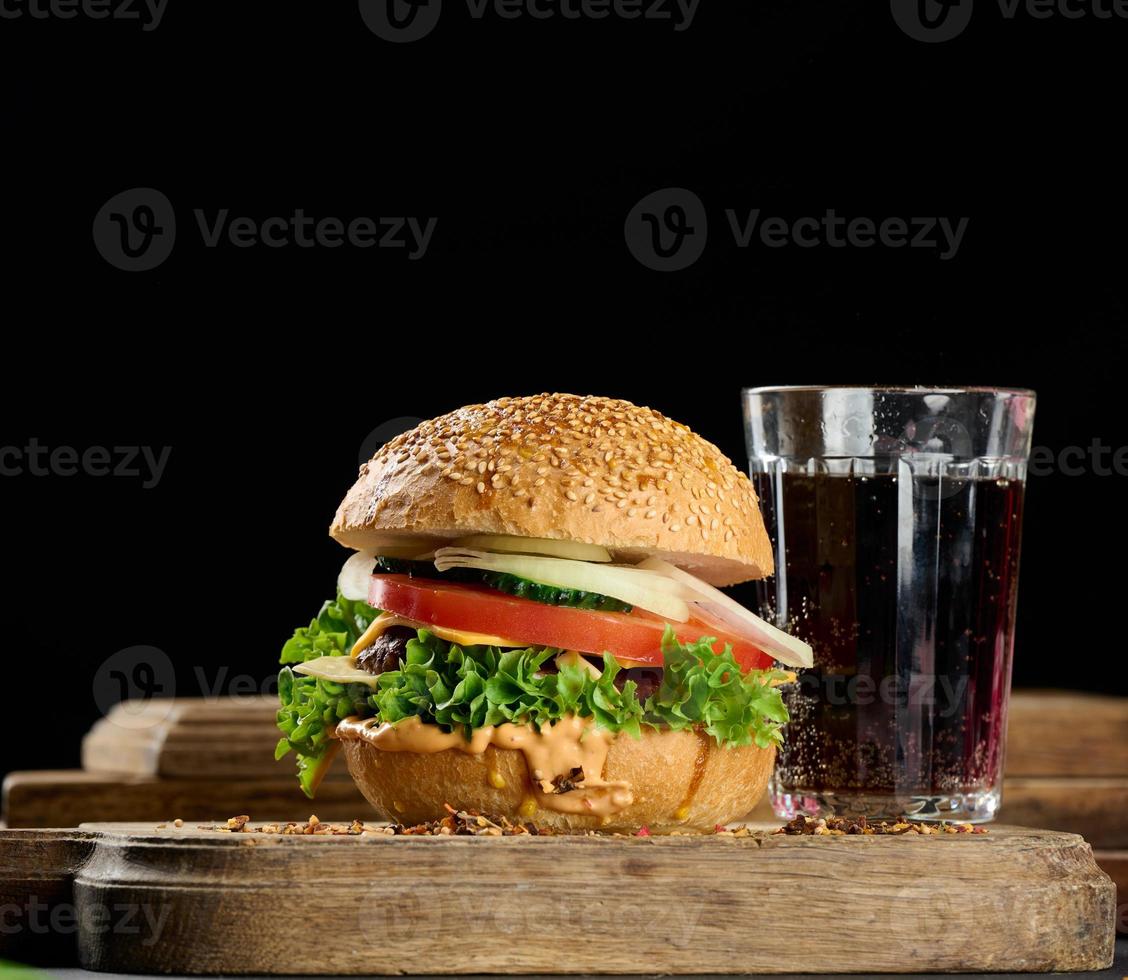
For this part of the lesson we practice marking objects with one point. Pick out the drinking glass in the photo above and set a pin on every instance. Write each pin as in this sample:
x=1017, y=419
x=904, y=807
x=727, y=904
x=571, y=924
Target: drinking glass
x=895, y=517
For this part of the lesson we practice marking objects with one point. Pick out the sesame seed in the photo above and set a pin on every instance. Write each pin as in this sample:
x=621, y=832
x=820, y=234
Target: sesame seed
x=603, y=448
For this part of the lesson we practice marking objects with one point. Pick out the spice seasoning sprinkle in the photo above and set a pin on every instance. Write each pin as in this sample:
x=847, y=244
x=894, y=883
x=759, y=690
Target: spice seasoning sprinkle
x=803, y=825
x=242, y=825
x=455, y=823
x=461, y=823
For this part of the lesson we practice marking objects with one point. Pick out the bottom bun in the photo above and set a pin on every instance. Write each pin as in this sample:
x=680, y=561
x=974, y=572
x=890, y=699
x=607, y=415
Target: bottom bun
x=681, y=781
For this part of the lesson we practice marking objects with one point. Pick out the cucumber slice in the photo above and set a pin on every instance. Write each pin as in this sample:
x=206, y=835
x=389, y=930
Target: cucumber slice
x=523, y=588
x=648, y=591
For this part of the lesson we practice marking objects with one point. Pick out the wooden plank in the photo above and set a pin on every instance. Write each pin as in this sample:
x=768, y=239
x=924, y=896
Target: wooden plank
x=37, y=870
x=49, y=798
x=205, y=902
x=221, y=751
x=1095, y=807
x=1063, y=733
x=185, y=738
x=1115, y=865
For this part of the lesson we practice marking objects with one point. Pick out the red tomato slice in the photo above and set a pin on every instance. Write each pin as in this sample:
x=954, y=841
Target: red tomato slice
x=635, y=635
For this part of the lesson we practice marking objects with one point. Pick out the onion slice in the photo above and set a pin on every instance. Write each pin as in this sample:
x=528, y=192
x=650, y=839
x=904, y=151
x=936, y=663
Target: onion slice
x=646, y=590
x=785, y=648
x=550, y=547
x=355, y=575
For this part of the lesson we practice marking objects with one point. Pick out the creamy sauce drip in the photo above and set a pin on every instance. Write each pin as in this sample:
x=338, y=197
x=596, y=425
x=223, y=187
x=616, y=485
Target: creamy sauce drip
x=555, y=750
x=704, y=745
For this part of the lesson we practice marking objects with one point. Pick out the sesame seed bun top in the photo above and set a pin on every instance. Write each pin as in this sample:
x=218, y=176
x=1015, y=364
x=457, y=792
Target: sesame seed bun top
x=579, y=468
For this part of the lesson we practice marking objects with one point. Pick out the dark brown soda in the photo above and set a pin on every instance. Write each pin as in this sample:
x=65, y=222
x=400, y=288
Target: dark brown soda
x=905, y=587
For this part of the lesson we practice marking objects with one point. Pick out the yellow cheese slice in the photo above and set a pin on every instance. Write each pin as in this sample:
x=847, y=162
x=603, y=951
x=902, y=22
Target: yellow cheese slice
x=339, y=670
x=343, y=670
x=789, y=677
x=464, y=638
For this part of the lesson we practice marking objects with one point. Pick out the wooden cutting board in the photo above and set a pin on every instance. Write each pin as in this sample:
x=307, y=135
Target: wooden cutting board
x=197, y=901
x=53, y=798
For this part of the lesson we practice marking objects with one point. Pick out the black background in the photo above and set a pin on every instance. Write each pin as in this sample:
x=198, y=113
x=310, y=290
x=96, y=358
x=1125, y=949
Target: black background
x=266, y=369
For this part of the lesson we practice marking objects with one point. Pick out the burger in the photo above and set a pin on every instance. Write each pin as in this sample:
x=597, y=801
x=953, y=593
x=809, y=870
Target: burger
x=530, y=626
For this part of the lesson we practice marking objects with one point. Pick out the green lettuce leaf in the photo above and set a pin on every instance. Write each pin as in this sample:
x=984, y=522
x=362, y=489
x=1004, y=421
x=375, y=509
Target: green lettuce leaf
x=464, y=688
x=337, y=627
x=700, y=687
x=310, y=708
x=470, y=687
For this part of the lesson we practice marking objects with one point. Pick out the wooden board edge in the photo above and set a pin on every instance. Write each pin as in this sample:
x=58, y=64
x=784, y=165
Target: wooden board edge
x=37, y=872
x=98, y=904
